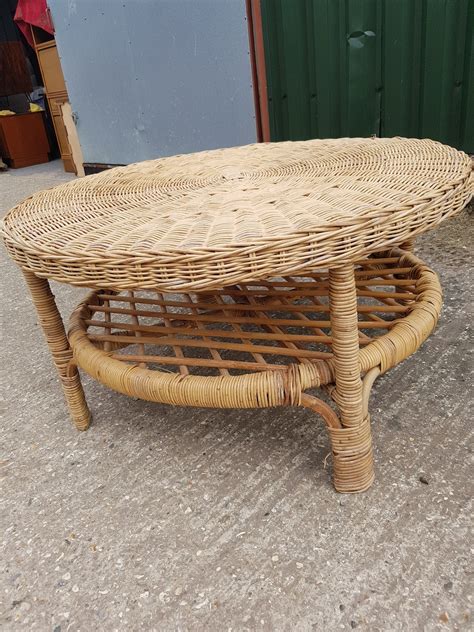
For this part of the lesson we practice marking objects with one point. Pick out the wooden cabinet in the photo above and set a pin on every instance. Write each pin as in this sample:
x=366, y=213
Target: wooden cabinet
x=56, y=93
x=23, y=140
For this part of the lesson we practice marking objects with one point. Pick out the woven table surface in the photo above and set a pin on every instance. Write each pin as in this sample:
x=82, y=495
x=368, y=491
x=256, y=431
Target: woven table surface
x=213, y=218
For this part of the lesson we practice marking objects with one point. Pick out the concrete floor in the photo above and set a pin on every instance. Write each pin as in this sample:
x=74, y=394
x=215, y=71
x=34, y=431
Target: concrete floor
x=162, y=518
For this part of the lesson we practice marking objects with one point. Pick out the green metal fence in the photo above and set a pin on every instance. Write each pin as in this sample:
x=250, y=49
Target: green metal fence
x=360, y=67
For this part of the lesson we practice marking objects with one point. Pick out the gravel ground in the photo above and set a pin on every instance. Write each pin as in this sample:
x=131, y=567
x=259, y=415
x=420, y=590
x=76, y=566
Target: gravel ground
x=162, y=518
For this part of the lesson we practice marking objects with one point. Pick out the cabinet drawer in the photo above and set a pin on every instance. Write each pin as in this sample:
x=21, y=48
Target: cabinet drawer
x=51, y=69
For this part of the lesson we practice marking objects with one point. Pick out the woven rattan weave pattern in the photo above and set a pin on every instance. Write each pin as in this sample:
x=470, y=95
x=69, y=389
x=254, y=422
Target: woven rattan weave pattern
x=204, y=220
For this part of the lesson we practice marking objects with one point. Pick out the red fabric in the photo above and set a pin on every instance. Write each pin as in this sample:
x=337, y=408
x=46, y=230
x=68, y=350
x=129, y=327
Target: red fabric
x=33, y=12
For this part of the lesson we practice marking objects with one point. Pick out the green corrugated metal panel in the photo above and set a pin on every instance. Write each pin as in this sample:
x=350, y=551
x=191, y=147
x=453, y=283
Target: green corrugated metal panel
x=467, y=109
x=362, y=67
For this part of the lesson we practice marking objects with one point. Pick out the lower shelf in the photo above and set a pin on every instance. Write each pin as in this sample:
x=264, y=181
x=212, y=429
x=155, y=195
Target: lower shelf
x=254, y=345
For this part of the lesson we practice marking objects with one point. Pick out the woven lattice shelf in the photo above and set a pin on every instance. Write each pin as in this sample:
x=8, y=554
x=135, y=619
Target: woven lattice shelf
x=253, y=327
x=267, y=326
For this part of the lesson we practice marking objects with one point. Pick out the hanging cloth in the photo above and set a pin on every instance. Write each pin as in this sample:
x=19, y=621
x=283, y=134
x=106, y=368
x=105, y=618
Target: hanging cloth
x=36, y=13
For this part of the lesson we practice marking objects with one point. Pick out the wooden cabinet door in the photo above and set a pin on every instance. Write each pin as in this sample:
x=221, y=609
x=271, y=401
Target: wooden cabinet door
x=51, y=68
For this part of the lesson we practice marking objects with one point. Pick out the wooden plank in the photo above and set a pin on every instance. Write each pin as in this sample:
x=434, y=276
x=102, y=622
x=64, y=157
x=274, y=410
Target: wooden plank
x=73, y=138
x=382, y=272
x=222, y=319
x=175, y=343
x=217, y=333
x=288, y=307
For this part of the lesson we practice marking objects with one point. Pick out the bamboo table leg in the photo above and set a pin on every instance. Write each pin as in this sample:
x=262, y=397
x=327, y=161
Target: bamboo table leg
x=351, y=444
x=408, y=245
x=53, y=329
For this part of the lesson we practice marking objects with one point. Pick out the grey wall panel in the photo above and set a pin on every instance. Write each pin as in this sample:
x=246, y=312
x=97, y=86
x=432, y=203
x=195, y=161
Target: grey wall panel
x=152, y=78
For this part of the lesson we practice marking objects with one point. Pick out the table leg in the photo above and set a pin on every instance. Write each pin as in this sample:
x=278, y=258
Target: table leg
x=408, y=245
x=53, y=329
x=352, y=444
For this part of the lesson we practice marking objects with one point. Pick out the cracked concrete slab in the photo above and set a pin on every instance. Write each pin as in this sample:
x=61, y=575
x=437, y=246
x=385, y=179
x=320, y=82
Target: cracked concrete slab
x=162, y=518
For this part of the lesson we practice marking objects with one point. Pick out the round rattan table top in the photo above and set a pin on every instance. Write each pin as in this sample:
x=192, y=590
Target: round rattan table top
x=232, y=215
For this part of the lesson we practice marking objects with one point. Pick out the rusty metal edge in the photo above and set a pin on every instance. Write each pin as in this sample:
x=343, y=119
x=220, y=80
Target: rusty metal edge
x=257, y=56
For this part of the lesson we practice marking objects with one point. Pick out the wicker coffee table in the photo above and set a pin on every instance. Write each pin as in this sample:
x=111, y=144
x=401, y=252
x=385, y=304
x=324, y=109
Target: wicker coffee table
x=246, y=277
